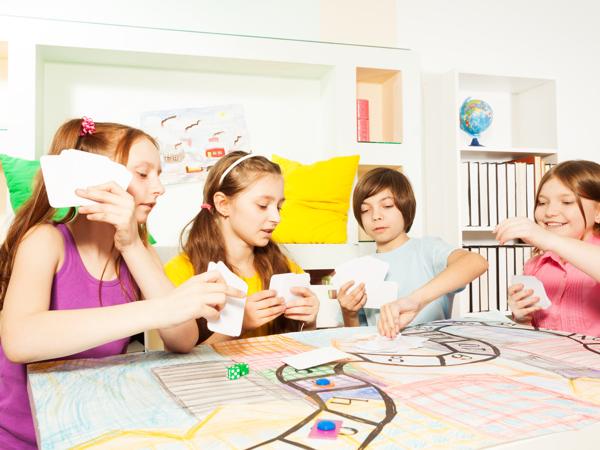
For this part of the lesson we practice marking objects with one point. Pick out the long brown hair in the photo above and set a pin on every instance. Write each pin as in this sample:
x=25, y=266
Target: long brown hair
x=204, y=241
x=110, y=139
x=580, y=176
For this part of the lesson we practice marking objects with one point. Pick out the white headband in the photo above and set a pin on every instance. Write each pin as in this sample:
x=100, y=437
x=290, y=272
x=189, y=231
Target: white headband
x=232, y=166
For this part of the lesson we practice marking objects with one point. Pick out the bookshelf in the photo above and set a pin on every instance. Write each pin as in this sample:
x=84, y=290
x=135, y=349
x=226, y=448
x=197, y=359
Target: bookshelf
x=483, y=185
x=299, y=99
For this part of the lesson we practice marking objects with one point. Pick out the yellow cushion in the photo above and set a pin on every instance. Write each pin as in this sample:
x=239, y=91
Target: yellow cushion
x=317, y=197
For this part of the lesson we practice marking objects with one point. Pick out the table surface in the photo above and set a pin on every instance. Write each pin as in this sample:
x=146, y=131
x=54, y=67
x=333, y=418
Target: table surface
x=474, y=384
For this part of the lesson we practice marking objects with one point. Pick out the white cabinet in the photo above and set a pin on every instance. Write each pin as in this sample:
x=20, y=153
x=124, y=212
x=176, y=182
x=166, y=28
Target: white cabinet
x=299, y=98
x=469, y=189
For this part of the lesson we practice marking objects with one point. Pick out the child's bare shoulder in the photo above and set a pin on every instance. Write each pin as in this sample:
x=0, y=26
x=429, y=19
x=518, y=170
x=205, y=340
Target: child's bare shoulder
x=43, y=236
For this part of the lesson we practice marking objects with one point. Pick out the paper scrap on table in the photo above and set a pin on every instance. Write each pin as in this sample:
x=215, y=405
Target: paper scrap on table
x=382, y=344
x=232, y=315
x=531, y=282
x=315, y=358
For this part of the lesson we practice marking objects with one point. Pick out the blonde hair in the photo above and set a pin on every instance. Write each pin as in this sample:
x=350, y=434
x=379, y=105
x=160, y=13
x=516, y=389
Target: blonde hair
x=204, y=241
x=110, y=139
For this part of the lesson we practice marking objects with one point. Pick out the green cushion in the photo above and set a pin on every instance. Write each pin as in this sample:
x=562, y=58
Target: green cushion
x=19, y=175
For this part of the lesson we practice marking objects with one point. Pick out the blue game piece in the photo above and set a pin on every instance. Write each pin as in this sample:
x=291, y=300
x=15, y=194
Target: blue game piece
x=322, y=382
x=326, y=425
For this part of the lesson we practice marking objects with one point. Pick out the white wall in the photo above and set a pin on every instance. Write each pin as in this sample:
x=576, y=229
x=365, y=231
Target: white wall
x=539, y=38
x=296, y=19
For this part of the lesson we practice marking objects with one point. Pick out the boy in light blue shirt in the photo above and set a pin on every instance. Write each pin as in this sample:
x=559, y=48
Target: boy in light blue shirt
x=428, y=271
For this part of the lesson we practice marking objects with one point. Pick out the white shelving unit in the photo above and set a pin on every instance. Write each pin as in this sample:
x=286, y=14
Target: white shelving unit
x=524, y=124
x=299, y=98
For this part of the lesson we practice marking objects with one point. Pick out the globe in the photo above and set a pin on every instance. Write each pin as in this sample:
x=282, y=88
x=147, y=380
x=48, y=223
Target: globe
x=475, y=117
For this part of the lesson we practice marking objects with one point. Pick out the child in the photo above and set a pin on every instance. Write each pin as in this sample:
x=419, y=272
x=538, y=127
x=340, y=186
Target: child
x=566, y=235
x=67, y=287
x=243, y=194
x=428, y=271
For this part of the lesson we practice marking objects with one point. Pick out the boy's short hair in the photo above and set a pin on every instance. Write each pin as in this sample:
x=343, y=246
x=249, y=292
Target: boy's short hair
x=379, y=179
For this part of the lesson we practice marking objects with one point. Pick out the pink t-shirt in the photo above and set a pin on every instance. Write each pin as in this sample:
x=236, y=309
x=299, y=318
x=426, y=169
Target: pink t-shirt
x=575, y=296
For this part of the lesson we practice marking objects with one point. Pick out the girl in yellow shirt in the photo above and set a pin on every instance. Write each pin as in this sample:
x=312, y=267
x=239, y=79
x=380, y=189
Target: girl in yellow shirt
x=243, y=195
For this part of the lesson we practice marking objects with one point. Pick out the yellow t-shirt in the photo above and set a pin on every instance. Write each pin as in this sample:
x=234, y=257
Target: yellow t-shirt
x=180, y=268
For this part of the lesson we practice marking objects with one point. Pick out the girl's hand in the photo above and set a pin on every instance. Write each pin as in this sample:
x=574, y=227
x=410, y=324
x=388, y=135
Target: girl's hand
x=202, y=295
x=396, y=315
x=304, y=309
x=262, y=307
x=353, y=301
x=525, y=229
x=522, y=304
x=115, y=206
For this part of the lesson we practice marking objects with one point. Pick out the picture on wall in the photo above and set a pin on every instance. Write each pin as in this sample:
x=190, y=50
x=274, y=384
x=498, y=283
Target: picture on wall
x=192, y=140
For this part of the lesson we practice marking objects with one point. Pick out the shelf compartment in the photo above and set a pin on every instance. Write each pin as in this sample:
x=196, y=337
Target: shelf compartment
x=378, y=105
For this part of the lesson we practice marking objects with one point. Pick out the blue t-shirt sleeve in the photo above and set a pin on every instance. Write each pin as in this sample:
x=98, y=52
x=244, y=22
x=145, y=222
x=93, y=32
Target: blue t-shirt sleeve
x=437, y=252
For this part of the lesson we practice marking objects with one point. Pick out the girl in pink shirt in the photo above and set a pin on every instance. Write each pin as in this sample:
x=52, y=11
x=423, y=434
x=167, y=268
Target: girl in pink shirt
x=566, y=234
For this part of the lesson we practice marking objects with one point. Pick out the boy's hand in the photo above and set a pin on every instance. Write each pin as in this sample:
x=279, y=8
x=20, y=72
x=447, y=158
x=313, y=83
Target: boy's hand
x=352, y=301
x=396, y=315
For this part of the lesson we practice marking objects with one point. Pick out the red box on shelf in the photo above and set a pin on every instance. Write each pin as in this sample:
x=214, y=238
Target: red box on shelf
x=362, y=108
x=362, y=130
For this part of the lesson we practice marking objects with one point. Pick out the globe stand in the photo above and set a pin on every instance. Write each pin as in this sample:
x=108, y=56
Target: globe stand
x=475, y=143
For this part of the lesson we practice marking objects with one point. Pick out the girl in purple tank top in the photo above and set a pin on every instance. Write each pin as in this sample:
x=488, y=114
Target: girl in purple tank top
x=68, y=287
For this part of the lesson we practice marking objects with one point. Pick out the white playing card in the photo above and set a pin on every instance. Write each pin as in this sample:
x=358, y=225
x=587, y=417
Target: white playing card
x=531, y=282
x=360, y=270
x=232, y=315
x=381, y=293
x=282, y=282
x=103, y=167
x=74, y=169
x=316, y=357
x=370, y=271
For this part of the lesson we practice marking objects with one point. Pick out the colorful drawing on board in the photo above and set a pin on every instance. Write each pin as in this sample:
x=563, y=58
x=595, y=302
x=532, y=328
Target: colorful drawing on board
x=191, y=140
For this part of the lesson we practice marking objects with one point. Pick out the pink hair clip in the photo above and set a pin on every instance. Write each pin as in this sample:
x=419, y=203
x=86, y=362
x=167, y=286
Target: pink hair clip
x=206, y=206
x=87, y=126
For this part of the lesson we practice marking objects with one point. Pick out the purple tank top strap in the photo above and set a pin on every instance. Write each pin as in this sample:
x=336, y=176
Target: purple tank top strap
x=71, y=253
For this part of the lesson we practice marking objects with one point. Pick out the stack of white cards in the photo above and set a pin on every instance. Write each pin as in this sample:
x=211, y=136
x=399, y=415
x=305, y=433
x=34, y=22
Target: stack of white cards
x=232, y=315
x=370, y=271
x=283, y=282
x=75, y=169
x=531, y=282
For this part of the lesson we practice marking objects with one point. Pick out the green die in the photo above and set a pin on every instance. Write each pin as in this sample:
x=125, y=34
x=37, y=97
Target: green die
x=244, y=370
x=233, y=373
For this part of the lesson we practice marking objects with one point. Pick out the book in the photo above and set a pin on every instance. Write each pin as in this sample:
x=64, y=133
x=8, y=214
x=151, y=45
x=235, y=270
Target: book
x=521, y=189
x=492, y=257
x=511, y=209
x=474, y=193
x=465, y=195
x=484, y=215
x=502, y=280
x=501, y=191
